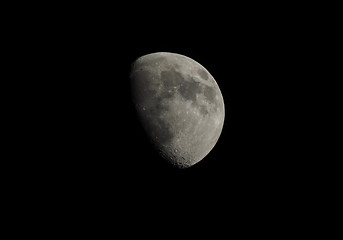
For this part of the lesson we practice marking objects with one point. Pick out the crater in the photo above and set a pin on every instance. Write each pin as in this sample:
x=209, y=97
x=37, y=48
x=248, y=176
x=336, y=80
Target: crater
x=203, y=74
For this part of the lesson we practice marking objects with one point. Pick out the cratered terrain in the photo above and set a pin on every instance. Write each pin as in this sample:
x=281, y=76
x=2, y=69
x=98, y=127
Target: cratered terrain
x=179, y=105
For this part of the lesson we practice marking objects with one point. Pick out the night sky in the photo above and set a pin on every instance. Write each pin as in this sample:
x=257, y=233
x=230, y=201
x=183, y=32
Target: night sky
x=100, y=152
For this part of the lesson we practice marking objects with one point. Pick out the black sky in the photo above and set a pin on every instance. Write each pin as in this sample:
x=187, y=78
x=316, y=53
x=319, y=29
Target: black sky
x=99, y=151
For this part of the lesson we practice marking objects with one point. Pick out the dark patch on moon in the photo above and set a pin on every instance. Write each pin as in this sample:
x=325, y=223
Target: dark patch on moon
x=171, y=78
x=203, y=110
x=189, y=89
x=158, y=108
x=210, y=94
x=167, y=94
x=203, y=74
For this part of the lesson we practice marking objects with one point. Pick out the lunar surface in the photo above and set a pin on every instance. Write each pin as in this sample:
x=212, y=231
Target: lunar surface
x=179, y=105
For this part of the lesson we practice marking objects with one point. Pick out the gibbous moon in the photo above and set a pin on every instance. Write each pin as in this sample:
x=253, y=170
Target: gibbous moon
x=179, y=105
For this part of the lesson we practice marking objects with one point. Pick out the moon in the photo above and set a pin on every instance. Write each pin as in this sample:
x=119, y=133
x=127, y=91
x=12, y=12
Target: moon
x=179, y=105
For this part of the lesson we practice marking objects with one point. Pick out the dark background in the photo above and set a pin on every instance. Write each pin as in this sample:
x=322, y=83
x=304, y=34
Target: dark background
x=96, y=159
